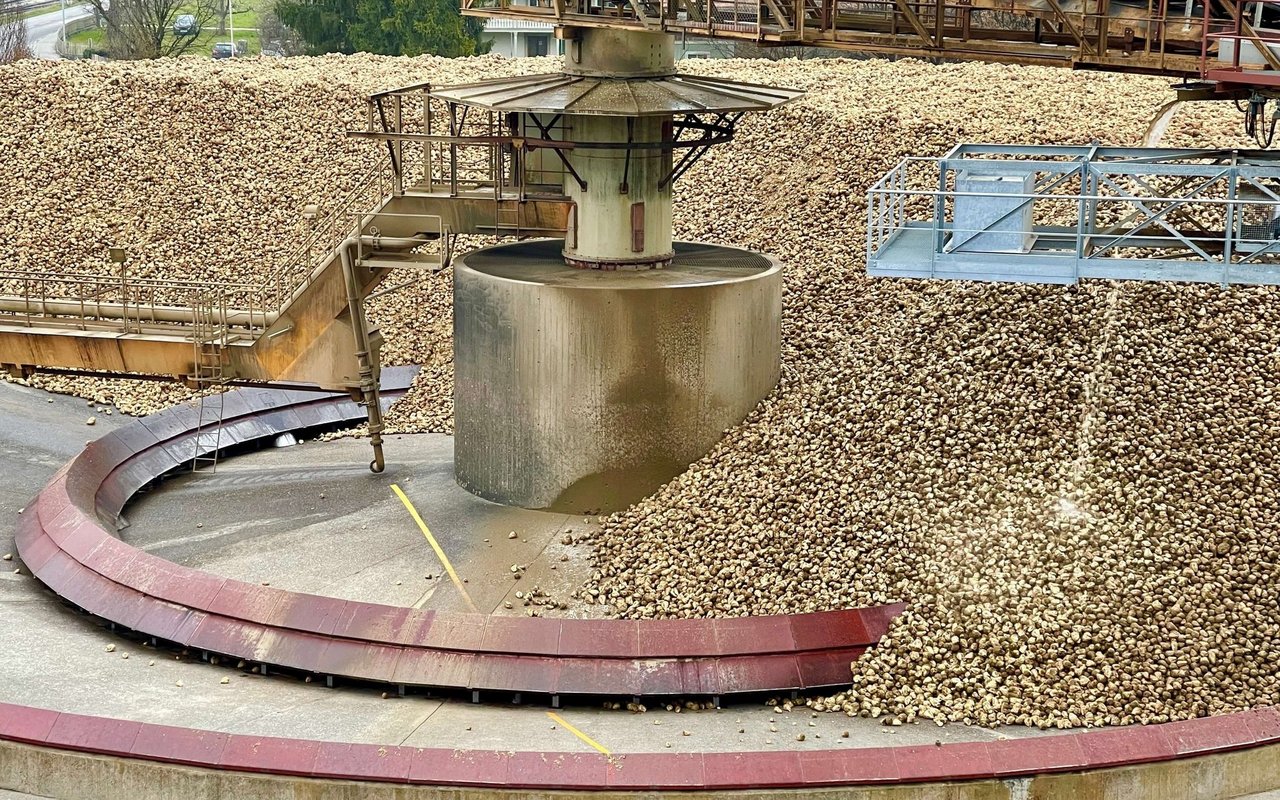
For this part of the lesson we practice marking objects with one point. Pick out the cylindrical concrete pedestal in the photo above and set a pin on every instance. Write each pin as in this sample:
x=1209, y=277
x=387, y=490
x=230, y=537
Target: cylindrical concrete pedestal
x=585, y=390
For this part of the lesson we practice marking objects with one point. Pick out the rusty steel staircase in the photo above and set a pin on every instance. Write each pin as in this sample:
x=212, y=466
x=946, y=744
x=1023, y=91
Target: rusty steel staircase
x=298, y=324
x=303, y=325
x=293, y=327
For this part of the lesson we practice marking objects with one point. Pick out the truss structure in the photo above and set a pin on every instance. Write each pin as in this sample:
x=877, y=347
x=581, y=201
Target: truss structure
x=1224, y=41
x=1059, y=214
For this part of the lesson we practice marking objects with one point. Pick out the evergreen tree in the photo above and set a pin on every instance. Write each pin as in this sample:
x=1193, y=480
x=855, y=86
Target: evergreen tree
x=388, y=27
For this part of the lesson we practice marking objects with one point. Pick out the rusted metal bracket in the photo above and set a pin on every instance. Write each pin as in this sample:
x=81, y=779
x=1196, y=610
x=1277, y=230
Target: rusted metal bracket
x=776, y=9
x=1076, y=33
x=545, y=130
x=691, y=156
x=391, y=148
x=914, y=20
x=1248, y=30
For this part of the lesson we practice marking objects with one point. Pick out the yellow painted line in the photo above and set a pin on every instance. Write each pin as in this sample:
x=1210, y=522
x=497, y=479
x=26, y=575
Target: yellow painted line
x=592, y=742
x=431, y=540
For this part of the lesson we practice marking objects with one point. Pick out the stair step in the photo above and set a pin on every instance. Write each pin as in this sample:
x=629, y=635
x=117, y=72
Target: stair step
x=419, y=261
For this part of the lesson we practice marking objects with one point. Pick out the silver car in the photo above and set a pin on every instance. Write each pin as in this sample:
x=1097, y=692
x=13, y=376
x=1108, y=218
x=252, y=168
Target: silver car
x=186, y=25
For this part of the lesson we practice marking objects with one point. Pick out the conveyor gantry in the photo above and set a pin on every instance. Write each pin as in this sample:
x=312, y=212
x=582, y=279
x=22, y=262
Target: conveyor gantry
x=1042, y=214
x=1235, y=46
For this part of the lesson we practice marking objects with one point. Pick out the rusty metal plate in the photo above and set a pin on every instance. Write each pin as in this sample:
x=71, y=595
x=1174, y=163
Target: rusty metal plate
x=460, y=767
x=829, y=629
x=364, y=762
x=660, y=676
x=876, y=619
x=190, y=588
x=750, y=635
x=51, y=503
x=26, y=724
x=860, y=765
x=311, y=613
x=659, y=638
x=558, y=770
x=516, y=674
x=752, y=770
x=521, y=635
x=758, y=673
x=361, y=660
x=155, y=576
x=244, y=601
x=827, y=668
x=37, y=550
x=65, y=575
x=230, y=637
x=379, y=623
x=605, y=638
x=456, y=632
x=246, y=429
x=268, y=754
x=135, y=436
x=82, y=540
x=419, y=667
x=281, y=420
x=94, y=734
x=658, y=771
x=291, y=649
x=121, y=485
x=171, y=422
x=113, y=559
x=314, y=415
x=180, y=745
x=163, y=620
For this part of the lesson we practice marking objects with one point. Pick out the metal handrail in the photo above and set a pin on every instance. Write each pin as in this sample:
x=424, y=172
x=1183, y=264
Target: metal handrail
x=1240, y=203
x=126, y=303
x=299, y=269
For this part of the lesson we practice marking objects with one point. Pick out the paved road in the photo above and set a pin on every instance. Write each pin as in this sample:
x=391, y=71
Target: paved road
x=42, y=30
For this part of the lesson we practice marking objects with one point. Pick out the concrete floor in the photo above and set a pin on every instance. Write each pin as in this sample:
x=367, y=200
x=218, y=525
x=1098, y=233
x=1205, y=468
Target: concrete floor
x=261, y=517
x=312, y=518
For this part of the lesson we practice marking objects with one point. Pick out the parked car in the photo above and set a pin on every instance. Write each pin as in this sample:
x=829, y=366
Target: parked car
x=224, y=50
x=186, y=25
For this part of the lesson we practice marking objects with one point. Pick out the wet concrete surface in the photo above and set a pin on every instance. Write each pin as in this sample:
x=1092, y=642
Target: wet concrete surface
x=312, y=518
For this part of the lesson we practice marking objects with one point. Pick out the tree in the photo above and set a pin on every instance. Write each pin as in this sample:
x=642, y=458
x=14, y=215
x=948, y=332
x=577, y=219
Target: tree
x=278, y=38
x=324, y=25
x=13, y=33
x=144, y=28
x=389, y=27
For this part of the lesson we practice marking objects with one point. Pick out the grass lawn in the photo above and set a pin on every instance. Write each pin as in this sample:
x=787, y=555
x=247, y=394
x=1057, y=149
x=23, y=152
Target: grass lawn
x=93, y=37
x=245, y=18
x=35, y=12
x=52, y=8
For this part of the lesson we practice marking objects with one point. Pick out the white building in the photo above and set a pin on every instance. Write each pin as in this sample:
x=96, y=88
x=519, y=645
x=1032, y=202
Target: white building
x=515, y=38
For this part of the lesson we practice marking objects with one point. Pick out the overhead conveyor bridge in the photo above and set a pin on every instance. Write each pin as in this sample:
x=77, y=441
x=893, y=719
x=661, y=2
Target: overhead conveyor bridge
x=1232, y=45
x=1059, y=214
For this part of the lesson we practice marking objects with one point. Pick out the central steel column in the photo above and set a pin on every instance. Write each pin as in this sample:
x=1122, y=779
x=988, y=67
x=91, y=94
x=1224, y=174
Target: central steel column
x=623, y=217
